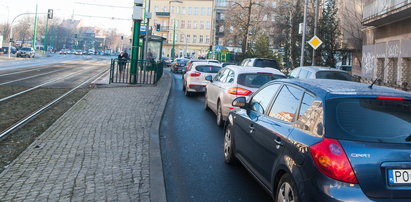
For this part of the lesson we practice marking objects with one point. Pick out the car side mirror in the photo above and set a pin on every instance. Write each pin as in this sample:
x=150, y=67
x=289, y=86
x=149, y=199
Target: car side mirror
x=239, y=102
x=209, y=78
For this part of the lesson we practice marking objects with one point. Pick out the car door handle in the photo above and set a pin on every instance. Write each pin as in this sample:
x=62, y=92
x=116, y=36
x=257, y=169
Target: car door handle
x=278, y=141
x=251, y=127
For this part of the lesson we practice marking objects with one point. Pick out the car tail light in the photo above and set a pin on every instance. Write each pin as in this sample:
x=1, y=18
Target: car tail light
x=390, y=98
x=330, y=158
x=195, y=74
x=177, y=64
x=239, y=91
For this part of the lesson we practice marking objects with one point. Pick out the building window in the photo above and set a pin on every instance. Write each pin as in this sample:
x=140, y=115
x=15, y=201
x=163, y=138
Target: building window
x=181, y=37
x=178, y=9
x=188, y=38
x=201, y=24
x=155, y=8
x=196, y=11
x=189, y=10
x=194, y=24
x=189, y=24
x=207, y=39
x=201, y=39
x=183, y=24
x=203, y=11
x=173, y=9
x=209, y=11
x=194, y=38
x=208, y=25
x=183, y=11
x=165, y=9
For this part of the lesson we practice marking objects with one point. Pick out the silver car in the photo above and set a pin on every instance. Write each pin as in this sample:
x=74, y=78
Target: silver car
x=235, y=81
x=194, y=79
x=317, y=72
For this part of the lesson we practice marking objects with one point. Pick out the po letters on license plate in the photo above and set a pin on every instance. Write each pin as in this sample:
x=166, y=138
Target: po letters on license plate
x=399, y=176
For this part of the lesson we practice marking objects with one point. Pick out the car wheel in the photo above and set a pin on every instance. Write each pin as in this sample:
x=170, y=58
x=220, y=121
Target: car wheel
x=206, y=102
x=184, y=86
x=186, y=92
x=229, y=147
x=219, y=115
x=286, y=190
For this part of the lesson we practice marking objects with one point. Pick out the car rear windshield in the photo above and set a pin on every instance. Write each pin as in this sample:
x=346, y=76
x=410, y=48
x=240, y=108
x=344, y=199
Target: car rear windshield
x=255, y=80
x=333, y=75
x=266, y=63
x=26, y=49
x=208, y=69
x=369, y=119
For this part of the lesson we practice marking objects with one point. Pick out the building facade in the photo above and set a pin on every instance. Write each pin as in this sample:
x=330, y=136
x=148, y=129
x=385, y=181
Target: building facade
x=190, y=21
x=387, y=42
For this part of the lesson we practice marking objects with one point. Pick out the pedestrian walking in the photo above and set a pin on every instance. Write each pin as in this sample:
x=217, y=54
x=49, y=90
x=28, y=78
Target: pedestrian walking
x=122, y=61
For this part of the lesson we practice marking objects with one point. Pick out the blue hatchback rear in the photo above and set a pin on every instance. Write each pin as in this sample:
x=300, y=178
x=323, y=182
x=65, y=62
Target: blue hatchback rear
x=312, y=140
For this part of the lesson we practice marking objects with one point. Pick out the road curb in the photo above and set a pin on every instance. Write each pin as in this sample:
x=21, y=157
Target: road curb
x=157, y=185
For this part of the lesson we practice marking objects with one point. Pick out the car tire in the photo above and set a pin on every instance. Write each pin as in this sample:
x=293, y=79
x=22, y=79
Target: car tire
x=229, y=147
x=286, y=190
x=219, y=120
x=186, y=92
x=206, y=108
x=184, y=87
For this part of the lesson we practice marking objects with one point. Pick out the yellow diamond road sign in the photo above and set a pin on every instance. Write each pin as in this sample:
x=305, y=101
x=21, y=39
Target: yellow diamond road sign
x=315, y=42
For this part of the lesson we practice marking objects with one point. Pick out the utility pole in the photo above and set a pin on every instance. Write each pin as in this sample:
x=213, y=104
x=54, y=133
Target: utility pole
x=315, y=30
x=137, y=17
x=303, y=38
x=49, y=16
x=174, y=40
x=35, y=30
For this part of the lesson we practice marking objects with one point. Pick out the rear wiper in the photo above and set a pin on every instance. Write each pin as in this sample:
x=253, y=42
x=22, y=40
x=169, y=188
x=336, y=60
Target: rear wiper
x=408, y=139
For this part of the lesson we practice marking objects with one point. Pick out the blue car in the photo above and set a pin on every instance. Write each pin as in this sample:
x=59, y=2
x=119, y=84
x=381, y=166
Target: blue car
x=324, y=140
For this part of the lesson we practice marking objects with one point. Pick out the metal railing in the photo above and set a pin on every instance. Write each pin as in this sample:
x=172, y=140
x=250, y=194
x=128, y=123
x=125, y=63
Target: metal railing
x=144, y=72
x=380, y=7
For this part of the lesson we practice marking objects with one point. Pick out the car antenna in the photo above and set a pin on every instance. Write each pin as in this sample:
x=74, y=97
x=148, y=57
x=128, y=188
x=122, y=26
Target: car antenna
x=378, y=78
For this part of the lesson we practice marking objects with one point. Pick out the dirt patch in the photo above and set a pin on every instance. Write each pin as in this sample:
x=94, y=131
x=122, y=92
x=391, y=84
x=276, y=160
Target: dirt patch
x=17, y=108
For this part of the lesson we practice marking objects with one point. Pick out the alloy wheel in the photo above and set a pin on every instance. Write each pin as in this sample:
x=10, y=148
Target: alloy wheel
x=286, y=193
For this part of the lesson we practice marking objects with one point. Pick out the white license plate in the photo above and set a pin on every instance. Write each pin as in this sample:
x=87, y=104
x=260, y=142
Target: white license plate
x=399, y=176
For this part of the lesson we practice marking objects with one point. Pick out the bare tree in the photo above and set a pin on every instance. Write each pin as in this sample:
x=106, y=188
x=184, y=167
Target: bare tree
x=23, y=30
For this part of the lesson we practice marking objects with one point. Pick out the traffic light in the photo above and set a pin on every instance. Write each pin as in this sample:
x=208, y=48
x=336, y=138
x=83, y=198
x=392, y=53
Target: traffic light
x=122, y=37
x=75, y=36
x=158, y=26
x=211, y=48
x=50, y=13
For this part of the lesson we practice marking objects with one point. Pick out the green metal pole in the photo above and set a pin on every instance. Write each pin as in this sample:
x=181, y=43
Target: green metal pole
x=35, y=30
x=134, y=51
x=174, y=38
x=52, y=37
x=45, y=36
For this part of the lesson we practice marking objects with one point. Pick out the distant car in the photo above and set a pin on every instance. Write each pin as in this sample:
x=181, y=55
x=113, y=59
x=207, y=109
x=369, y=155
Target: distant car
x=5, y=50
x=324, y=140
x=26, y=52
x=63, y=52
x=233, y=81
x=166, y=61
x=194, y=79
x=316, y=72
x=78, y=52
x=178, y=65
x=260, y=62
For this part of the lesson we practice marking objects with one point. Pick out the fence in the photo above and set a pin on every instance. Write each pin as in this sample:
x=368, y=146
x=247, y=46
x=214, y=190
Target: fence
x=144, y=72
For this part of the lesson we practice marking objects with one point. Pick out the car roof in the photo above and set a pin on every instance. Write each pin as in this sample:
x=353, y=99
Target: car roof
x=320, y=68
x=248, y=69
x=328, y=88
x=207, y=63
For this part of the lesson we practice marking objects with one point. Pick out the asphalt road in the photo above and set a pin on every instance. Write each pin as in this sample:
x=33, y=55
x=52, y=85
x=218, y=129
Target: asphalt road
x=74, y=69
x=192, y=152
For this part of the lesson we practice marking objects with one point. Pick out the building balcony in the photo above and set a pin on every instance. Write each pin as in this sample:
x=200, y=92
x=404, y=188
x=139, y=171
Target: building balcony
x=380, y=12
x=163, y=14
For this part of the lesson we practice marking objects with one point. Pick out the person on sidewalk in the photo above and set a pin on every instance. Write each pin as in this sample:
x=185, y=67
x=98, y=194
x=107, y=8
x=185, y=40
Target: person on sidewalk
x=122, y=61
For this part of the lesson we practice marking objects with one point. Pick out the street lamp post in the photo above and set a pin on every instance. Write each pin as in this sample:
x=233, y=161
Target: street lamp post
x=174, y=38
x=303, y=38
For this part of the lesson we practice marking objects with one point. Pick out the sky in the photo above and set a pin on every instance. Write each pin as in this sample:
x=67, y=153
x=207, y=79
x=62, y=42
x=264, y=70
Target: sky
x=65, y=9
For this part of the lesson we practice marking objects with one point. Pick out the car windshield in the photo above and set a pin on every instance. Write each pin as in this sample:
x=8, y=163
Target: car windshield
x=333, y=75
x=255, y=80
x=369, y=119
x=266, y=63
x=208, y=68
x=26, y=49
x=181, y=61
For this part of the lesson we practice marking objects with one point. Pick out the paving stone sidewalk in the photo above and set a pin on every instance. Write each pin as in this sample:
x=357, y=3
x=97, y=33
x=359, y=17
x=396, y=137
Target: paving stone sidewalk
x=99, y=150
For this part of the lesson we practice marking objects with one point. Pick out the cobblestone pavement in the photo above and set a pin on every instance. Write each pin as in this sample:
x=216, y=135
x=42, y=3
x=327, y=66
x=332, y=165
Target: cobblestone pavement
x=98, y=150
